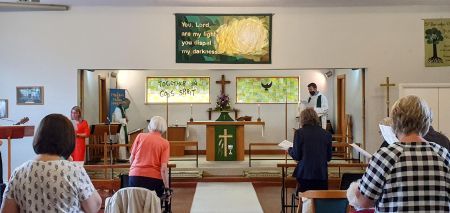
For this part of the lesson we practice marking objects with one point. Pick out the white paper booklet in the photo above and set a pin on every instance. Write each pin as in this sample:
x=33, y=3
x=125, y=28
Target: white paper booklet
x=285, y=144
x=360, y=150
x=388, y=134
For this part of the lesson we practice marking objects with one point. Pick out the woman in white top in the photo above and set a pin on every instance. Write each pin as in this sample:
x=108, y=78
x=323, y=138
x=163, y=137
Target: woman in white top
x=49, y=183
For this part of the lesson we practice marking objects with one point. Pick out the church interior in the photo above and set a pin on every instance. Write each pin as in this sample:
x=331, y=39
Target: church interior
x=229, y=112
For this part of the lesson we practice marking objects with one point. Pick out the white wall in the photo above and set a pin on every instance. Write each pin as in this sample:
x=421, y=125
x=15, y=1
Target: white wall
x=273, y=114
x=47, y=48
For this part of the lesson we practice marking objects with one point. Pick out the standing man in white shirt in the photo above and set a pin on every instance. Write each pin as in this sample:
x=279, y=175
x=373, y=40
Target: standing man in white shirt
x=119, y=116
x=318, y=101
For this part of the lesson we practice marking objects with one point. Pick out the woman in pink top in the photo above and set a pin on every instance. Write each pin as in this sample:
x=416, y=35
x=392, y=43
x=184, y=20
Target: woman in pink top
x=149, y=158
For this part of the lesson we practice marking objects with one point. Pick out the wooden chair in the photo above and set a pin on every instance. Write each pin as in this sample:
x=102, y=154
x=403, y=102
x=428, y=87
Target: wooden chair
x=345, y=136
x=324, y=201
x=133, y=198
x=348, y=178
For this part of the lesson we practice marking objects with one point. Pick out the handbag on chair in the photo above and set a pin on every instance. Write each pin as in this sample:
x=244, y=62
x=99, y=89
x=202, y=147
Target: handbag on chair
x=123, y=180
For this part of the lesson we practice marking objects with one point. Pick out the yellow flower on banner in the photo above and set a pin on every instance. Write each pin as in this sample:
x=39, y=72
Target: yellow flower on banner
x=247, y=37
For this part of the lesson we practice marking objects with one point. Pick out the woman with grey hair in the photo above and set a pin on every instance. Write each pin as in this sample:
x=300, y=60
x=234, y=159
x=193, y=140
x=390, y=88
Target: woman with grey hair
x=411, y=175
x=149, y=158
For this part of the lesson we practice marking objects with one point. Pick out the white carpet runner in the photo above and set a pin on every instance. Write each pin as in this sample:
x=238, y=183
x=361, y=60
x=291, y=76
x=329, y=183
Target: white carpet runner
x=225, y=197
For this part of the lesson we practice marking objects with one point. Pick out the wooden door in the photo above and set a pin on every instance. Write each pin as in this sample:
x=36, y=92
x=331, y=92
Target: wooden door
x=341, y=121
x=102, y=99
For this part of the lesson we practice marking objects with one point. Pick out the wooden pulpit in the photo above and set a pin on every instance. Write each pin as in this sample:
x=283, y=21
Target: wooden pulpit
x=176, y=133
x=14, y=132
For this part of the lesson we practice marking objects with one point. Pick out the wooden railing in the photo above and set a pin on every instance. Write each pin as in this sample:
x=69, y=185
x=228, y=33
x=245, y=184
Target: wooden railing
x=346, y=151
x=250, y=152
x=186, y=144
x=103, y=182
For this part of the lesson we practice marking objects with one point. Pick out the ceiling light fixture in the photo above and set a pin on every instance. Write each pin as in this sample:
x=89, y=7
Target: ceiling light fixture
x=33, y=5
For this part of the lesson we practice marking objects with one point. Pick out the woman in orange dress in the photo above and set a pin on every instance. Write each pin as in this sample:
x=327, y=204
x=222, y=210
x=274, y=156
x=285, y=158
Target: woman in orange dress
x=81, y=131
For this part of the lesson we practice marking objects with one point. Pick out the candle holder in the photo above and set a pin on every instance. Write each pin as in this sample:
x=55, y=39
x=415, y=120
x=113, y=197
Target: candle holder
x=259, y=113
x=191, y=119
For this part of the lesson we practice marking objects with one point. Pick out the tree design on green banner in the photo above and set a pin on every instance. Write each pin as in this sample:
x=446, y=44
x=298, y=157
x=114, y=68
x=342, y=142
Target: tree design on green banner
x=434, y=36
x=437, y=42
x=267, y=89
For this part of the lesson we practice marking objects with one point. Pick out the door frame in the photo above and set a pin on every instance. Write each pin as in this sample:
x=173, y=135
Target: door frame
x=102, y=99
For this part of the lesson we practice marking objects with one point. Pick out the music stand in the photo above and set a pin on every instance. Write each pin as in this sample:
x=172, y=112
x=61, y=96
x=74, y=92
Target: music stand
x=106, y=130
x=14, y=132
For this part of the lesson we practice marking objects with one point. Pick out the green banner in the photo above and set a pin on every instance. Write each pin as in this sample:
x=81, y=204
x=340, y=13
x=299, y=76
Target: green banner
x=437, y=42
x=225, y=143
x=224, y=39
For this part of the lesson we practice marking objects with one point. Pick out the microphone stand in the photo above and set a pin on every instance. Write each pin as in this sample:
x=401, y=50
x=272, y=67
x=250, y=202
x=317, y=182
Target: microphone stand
x=110, y=147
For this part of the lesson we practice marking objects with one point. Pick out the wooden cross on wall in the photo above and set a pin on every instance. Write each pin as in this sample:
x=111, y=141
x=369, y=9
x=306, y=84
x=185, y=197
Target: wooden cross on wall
x=387, y=85
x=223, y=82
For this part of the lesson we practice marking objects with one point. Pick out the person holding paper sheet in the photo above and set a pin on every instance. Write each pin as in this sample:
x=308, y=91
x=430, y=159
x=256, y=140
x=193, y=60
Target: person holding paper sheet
x=312, y=150
x=432, y=135
x=410, y=175
x=318, y=101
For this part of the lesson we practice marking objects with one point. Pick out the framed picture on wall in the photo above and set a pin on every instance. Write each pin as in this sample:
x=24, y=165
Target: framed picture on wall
x=3, y=108
x=33, y=95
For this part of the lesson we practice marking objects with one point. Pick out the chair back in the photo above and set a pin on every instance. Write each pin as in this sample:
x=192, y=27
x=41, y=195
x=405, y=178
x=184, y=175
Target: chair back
x=348, y=178
x=133, y=199
x=324, y=201
x=124, y=180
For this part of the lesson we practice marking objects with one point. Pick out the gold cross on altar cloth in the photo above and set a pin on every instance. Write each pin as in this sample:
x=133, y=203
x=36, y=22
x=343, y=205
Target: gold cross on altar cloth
x=387, y=85
x=225, y=137
x=223, y=82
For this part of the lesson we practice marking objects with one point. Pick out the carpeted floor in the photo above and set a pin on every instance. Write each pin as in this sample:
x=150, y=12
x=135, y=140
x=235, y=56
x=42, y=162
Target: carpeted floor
x=225, y=197
x=268, y=196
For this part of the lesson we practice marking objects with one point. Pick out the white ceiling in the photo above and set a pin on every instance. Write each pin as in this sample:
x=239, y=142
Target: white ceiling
x=250, y=3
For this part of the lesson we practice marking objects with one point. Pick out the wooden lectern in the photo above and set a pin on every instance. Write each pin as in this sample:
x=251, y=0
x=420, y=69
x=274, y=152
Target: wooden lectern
x=99, y=141
x=176, y=133
x=14, y=132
